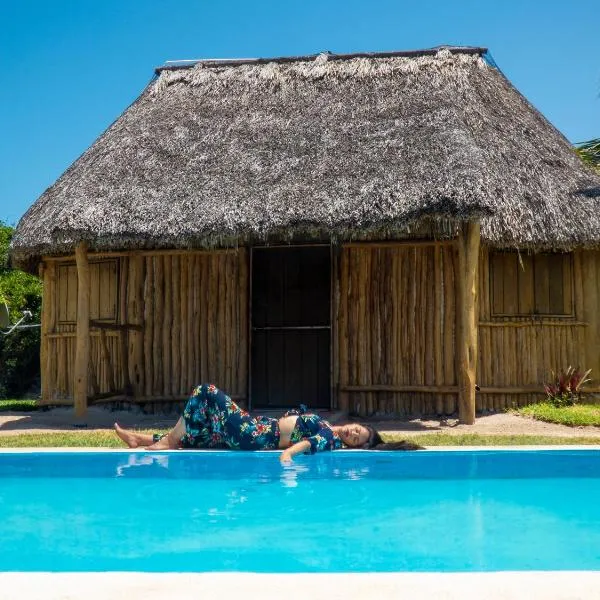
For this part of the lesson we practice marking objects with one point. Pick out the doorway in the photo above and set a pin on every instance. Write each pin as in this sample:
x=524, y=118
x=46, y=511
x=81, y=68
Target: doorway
x=291, y=327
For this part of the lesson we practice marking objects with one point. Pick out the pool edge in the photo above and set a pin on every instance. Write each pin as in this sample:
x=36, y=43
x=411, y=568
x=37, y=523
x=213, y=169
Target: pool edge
x=87, y=449
x=499, y=585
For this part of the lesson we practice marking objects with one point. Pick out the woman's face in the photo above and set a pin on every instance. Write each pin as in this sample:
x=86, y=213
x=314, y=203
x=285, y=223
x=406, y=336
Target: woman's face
x=353, y=435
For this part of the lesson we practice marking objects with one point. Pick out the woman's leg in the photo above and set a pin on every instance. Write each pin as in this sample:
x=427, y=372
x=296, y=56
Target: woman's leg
x=132, y=438
x=172, y=440
x=203, y=418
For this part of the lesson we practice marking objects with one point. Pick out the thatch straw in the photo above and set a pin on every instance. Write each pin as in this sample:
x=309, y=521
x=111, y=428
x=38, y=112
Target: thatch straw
x=224, y=153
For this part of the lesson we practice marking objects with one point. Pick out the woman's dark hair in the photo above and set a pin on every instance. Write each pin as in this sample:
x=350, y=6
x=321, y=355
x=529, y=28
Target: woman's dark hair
x=375, y=442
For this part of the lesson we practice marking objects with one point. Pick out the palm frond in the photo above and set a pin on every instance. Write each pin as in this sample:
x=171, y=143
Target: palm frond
x=589, y=152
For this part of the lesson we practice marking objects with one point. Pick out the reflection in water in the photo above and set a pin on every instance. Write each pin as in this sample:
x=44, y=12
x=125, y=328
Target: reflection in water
x=351, y=474
x=143, y=465
x=258, y=472
x=289, y=474
x=292, y=473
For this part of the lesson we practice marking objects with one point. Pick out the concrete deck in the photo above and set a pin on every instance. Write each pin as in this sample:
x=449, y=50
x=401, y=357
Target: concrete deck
x=99, y=419
x=551, y=585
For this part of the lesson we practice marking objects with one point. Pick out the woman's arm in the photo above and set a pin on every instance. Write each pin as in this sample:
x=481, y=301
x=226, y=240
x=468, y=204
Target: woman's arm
x=288, y=454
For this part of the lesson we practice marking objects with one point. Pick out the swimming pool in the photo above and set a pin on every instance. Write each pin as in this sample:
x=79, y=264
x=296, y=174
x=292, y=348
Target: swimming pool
x=334, y=512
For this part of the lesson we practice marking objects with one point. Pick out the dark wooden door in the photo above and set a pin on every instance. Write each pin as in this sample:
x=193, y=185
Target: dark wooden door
x=291, y=326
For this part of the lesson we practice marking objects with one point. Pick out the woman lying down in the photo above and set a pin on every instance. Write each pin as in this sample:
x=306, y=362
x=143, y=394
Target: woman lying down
x=212, y=420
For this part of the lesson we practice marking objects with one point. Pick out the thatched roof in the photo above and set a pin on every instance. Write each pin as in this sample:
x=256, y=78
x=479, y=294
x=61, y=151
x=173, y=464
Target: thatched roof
x=222, y=152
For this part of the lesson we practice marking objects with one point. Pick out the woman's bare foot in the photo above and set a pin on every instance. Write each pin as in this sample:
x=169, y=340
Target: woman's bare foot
x=128, y=437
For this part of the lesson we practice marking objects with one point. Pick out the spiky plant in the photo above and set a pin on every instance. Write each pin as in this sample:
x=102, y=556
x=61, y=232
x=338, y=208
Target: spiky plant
x=565, y=387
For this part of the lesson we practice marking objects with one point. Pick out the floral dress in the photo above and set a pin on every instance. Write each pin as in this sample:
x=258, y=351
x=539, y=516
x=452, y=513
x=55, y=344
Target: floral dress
x=315, y=430
x=213, y=420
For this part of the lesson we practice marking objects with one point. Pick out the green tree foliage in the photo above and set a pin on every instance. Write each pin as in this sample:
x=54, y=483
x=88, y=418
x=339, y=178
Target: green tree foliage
x=19, y=351
x=589, y=152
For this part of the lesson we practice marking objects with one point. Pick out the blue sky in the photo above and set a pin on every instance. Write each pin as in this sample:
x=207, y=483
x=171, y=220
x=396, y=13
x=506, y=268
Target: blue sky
x=70, y=68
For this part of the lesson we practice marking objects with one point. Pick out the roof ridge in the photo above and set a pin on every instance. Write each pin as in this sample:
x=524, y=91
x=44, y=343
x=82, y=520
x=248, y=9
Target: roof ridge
x=219, y=62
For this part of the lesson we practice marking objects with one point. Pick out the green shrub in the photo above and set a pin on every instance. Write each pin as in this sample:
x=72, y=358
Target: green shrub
x=19, y=351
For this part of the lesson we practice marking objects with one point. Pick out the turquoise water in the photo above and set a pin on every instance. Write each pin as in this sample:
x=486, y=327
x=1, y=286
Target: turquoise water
x=335, y=512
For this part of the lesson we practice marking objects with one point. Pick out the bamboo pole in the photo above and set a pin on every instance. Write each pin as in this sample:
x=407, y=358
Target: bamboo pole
x=47, y=276
x=219, y=349
x=105, y=351
x=203, y=319
x=82, y=352
x=149, y=294
x=449, y=325
x=243, y=323
x=176, y=387
x=468, y=261
x=438, y=330
x=167, y=329
x=350, y=365
x=395, y=353
x=184, y=383
x=121, y=319
x=428, y=311
x=405, y=364
x=135, y=314
x=343, y=399
x=194, y=291
x=229, y=294
x=159, y=319
x=334, y=295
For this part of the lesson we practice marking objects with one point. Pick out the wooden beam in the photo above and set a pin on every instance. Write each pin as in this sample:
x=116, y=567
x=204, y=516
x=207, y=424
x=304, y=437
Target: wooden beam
x=115, y=326
x=467, y=314
x=156, y=252
x=426, y=389
x=400, y=243
x=537, y=323
x=122, y=397
x=82, y=346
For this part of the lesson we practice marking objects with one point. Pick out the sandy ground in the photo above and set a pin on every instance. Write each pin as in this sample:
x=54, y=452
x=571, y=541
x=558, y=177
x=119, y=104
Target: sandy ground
x=548, y=585
x=62, y=419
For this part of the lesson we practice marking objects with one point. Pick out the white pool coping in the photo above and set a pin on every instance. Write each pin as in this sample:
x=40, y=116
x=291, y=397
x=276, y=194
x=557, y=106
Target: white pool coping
x=595, y=447
x=508, y=585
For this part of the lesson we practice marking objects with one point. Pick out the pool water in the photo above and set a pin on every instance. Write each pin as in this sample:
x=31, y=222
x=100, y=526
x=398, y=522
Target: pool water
x=334, y=512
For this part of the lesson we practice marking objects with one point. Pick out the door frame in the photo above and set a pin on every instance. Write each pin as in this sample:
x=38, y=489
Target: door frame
x=332, y=326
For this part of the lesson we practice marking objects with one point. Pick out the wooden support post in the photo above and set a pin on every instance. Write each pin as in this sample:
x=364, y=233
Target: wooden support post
x=467, y=313
x=44, y=341
x=82, y=348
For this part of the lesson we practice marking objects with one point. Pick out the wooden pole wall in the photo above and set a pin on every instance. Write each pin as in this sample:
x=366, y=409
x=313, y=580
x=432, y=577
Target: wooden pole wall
x=467, y=313
x=397, y=355
x=179, y=319
x=407, y=295
x=82, y=352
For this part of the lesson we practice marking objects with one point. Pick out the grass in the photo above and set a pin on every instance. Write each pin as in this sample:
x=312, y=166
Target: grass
x=20, y=405
x=107, y=439
x=65, y=439
x=577, y=415
x=474, y=439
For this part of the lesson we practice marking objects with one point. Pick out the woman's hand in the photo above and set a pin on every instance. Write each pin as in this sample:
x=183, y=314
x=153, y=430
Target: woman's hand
x=288, y=454
x=286, y=457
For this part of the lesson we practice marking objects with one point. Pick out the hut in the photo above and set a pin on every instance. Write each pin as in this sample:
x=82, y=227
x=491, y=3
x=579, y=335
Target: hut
x=375, y=233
